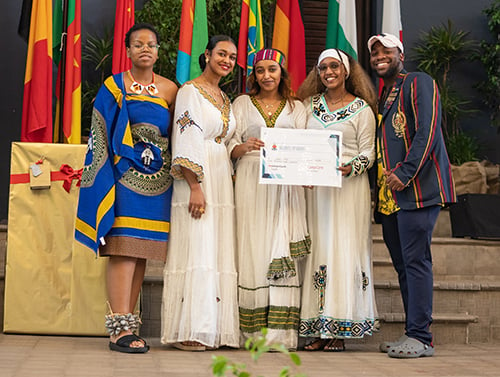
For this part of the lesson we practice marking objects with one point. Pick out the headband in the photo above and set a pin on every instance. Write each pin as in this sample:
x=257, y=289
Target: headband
x=336, y=54
x=269, y=54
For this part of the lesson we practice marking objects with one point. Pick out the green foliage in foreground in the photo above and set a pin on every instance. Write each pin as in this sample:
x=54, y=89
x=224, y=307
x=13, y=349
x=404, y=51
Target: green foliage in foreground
x=256, y=346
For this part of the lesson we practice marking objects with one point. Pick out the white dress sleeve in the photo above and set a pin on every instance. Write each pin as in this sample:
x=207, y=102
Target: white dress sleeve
x=365, y=137
x=299, y=115
x=187, y=133
x=241, y=113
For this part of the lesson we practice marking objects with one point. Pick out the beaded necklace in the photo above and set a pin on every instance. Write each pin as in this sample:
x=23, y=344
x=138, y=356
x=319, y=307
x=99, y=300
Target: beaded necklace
x=138, y=88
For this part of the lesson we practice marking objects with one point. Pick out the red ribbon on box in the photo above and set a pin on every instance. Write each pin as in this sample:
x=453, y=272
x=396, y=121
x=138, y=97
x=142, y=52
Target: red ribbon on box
x=66, y=173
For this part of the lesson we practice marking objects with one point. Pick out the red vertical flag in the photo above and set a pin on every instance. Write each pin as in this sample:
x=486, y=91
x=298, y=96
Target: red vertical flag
x=37, y=100
x=71, y=76
x=124, y=20
x=289, y=38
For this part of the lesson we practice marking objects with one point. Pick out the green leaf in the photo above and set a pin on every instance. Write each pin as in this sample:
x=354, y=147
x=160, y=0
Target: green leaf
x=219, y=365
x=285, y=372
x=295, y=358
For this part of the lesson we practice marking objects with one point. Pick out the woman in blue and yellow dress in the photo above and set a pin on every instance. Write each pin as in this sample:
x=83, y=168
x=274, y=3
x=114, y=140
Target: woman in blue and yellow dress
x=126, y=189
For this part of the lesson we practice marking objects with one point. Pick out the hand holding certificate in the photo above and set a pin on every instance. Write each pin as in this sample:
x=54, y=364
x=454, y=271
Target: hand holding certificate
x=300, y=157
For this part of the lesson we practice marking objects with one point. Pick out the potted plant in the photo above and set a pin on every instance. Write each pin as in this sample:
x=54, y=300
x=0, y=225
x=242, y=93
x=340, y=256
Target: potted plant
x=436, y=53
x=489, y=56
x=476, y=213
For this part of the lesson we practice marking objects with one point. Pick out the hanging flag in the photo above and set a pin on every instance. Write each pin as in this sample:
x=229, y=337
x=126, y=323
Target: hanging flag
x=69, y=71
x=341, y=26
x=124, y=20
x=251, y=38
x=391, y=23
x=193, y=39
x=37, y=99
x=391, y=19
x=288, y=37
x=24, y=21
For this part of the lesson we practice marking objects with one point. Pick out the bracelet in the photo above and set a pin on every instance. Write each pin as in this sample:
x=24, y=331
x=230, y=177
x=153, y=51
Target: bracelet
x=116, y=323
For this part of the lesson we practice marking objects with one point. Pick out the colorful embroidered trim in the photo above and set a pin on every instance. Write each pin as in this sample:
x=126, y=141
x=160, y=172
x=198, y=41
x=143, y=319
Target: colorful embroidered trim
x=323, y=114
x=193, y=166
x=359, y=164
x=185, y=121
x=283, y=267
x=320, y=285
x=273, y=317
x=153, y=183
x=327, y=327
x=300, y=248
x=270, y=121
x=269, y=54
x=225, y=109
x=365, y=280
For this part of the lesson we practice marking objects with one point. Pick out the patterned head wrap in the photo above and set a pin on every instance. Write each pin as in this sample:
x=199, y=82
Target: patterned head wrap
x=336, y=54
x=269, y=54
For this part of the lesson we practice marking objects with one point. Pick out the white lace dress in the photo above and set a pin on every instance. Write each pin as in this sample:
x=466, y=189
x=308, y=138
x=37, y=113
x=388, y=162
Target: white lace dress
x=271, y=232
x=338, y=297
x=200, y=279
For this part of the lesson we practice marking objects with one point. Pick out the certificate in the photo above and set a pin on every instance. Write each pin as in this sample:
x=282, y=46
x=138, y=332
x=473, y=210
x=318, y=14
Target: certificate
x=300, y=157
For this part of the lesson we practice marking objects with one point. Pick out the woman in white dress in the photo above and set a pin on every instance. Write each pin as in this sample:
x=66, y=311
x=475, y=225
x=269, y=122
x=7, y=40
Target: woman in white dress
x=271, y=224
x=200, y=308
x=338, y=299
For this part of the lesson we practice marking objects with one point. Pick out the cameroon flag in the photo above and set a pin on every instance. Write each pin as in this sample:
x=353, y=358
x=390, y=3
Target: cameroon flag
x=37, y=98
x=69, y=72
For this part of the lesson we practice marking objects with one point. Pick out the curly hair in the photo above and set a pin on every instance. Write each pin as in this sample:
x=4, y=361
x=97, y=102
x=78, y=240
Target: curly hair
x=358, y=83
x=284, y=87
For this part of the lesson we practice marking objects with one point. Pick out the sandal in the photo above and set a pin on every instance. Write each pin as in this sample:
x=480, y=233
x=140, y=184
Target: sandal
x=386, y=346
x=411, y=348
x=189, y=346
x=316, y=345
x=123, y=345
x=335, y=345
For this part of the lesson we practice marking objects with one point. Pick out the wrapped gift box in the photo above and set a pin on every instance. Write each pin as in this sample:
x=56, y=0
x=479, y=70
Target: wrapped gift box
x=53, y=285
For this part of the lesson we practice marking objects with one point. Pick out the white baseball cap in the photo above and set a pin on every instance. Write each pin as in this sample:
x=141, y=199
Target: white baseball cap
x=388, y=40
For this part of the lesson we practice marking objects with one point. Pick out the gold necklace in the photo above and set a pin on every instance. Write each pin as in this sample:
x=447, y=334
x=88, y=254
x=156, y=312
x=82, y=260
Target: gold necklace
x=334, y=102
x=269, y=106
x=215, y=94
x=138, y=88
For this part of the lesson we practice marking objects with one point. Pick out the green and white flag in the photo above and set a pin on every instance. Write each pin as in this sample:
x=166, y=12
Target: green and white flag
x=341, y=26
